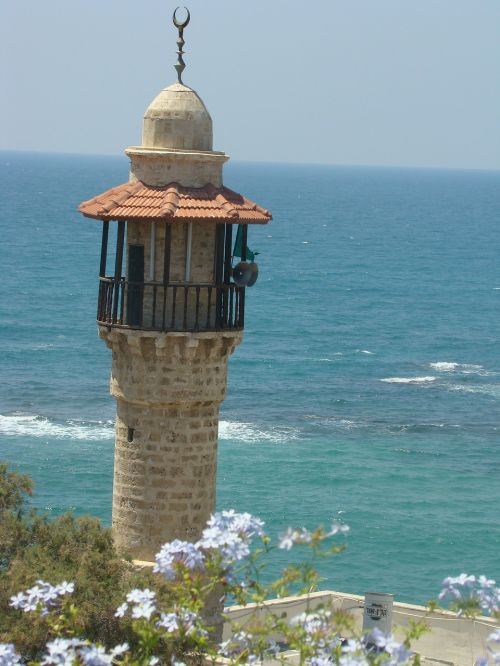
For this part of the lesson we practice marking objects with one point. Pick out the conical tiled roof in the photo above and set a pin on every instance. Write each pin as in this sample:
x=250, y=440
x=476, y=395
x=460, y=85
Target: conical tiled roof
x=138, y=201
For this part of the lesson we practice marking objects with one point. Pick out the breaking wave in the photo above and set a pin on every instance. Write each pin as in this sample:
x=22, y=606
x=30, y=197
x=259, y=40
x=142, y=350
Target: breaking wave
x=485, y=389
x=249, y=432
x=29, y=425
x=444, y=366
x=461, y=368
x=408, y=380
x=40, y=426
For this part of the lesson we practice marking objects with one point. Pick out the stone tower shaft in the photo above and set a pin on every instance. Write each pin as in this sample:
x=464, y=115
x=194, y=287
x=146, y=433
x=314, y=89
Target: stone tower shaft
x=168, y=389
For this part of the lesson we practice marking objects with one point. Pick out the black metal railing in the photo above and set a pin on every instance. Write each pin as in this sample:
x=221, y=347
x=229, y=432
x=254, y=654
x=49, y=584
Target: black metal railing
x=174, y=307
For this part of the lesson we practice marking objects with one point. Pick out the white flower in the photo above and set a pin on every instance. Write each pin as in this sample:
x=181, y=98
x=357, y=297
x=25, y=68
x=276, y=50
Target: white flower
x=240, y=641
x=353, y=660
x=466, y=587
x=120, y=649
x=93, y=655
x=494, y=637
x=67, y=651
x=121, y=610
x=243, y=524
x=143, y=604
x=137, y=596
x=169, y=621
x=293, y=536
x=8, y=655
x=17, y=601
x=321, y=660
x=230, y=533
x=42, y=597
x=183, y=620
x=178, y=553
x=65, y=588
x=352, y=645
x=489, y=596
x=452, y=586
x=62, y=651
x=319, y=631
x=387, y=642
x=485, y=582
x=288, y=539
x=143, y=610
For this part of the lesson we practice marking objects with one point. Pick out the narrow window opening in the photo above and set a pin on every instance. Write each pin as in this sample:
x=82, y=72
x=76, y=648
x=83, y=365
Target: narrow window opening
x=130, y=435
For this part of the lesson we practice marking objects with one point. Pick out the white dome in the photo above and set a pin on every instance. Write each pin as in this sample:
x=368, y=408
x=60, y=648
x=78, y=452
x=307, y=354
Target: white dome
x=177, y=119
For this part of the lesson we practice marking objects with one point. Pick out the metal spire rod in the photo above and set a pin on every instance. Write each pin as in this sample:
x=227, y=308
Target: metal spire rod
x=180, y=65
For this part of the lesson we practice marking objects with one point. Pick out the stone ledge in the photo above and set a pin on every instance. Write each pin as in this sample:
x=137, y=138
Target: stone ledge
x=151, y=368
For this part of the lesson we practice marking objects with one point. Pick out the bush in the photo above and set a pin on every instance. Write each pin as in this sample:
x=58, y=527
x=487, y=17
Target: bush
x=67, y=548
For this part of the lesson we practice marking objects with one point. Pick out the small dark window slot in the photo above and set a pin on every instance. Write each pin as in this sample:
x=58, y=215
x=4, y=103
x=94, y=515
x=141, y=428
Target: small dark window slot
x=130, y=435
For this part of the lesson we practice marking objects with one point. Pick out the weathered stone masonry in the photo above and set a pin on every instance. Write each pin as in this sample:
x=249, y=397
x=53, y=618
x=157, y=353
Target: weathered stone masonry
x=168, y=389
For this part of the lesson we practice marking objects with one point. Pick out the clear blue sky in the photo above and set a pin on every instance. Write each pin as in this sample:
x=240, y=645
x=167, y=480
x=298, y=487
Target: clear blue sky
x=390, y=82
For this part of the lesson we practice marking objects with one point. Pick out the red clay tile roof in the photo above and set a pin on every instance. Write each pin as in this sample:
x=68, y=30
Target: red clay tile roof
x=132, y=201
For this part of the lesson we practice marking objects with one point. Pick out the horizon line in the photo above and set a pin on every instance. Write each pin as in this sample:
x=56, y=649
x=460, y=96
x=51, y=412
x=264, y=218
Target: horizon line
x=271, y=162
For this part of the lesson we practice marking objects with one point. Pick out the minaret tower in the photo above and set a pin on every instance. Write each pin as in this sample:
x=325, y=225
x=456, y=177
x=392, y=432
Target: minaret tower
x=171, y=308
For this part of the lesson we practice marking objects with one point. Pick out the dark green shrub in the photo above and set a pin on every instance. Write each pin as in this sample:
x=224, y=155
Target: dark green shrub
x=33, y=547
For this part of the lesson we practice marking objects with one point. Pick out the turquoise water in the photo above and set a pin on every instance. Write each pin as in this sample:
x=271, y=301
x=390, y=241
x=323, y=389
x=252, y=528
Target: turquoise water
x=367, y=388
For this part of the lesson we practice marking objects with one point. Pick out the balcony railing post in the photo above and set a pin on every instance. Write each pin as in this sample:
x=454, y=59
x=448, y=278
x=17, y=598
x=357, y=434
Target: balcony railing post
x=118, y=268
x=230, y=316
x=197, y=309
x=122, y=286
x=174, y=303
x=184, y=319
x=153, y=318
x=100, y=299
x=209, y=307
x=109, y=300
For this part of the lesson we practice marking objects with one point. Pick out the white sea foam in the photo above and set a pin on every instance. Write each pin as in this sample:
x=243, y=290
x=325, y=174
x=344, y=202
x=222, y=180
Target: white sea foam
x=29, y=425
x=462, y=368
x=365, y=351
x=249, y=432
x=444, y=366
x=324, y=359
x=486, y=389
x=408, y=380
x=334, y=422
x=472, y=369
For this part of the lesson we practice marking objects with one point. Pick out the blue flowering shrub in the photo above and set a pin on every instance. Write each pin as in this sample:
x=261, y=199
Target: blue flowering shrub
x=183, y=626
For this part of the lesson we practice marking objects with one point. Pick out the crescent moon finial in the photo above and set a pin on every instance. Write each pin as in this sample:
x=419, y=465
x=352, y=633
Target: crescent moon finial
x=183, y=24
x=180, y=25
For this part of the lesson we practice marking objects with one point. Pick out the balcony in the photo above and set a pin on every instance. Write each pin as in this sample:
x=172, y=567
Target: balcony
x=182, y=307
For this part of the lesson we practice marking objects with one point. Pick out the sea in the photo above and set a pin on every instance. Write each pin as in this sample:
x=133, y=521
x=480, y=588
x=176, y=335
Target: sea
x=367, y=387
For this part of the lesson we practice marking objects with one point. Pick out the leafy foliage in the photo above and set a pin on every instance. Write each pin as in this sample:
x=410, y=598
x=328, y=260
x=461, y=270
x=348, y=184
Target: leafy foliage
x=67, y=548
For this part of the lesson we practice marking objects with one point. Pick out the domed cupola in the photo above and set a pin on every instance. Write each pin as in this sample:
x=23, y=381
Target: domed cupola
x=177, y=119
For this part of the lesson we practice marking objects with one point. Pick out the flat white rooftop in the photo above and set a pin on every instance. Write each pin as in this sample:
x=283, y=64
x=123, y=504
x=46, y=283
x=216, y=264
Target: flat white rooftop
x=452, y=640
